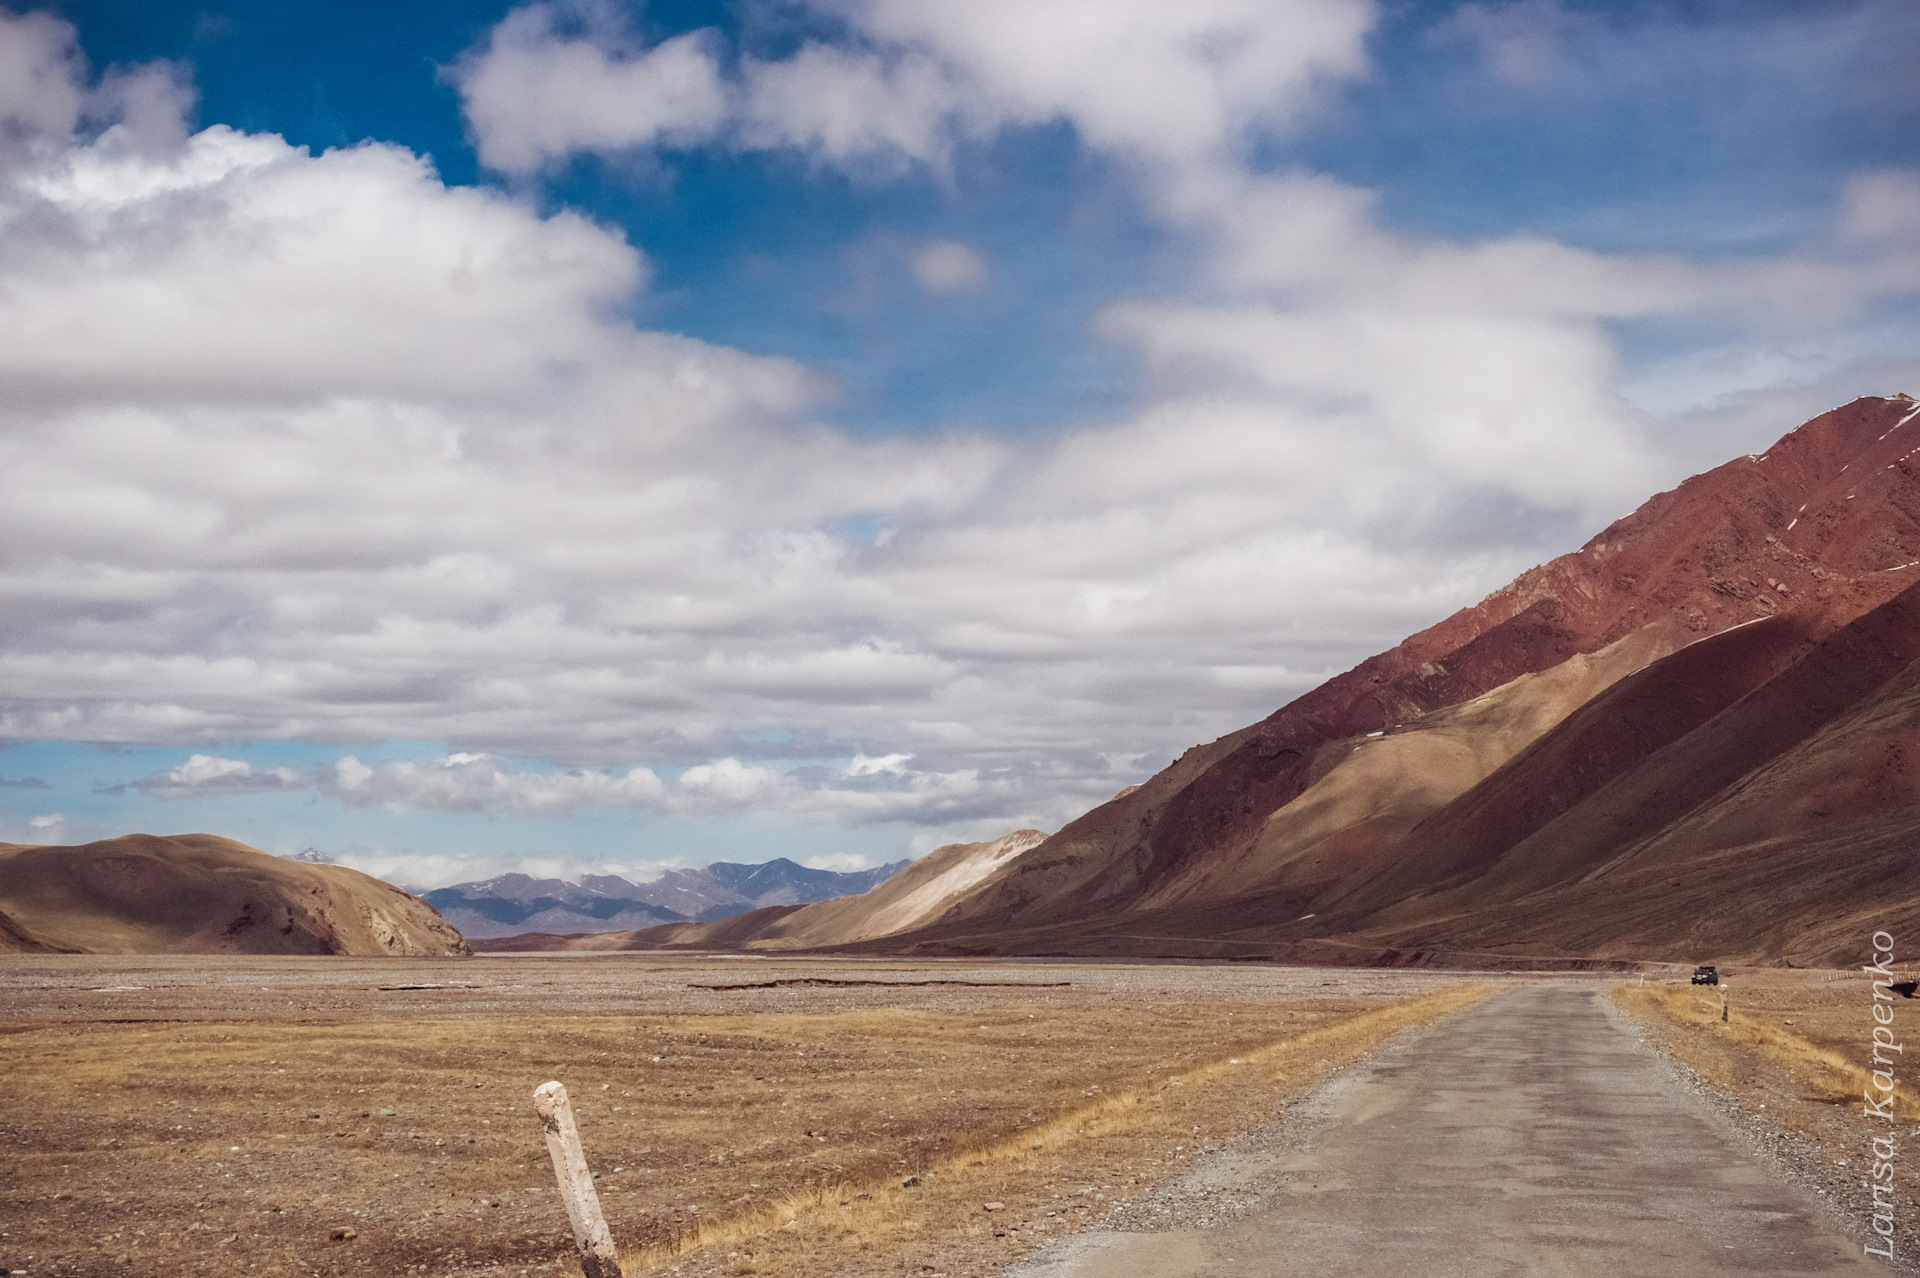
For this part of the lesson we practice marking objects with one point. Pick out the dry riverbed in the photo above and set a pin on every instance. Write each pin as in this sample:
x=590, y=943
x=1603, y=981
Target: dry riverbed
x=792, y=1117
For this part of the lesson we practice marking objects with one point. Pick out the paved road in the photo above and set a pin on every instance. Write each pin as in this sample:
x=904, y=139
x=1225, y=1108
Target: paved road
x=1525, y=1135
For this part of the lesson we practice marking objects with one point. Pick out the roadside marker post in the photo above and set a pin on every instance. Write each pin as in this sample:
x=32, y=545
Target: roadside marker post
x=598, y=1259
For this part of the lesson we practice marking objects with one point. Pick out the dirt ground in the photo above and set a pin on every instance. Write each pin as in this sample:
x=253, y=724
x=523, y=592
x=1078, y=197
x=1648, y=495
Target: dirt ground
x=793, y=1117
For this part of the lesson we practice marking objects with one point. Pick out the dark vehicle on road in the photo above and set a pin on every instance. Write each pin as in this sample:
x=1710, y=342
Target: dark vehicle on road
x=1706, y=975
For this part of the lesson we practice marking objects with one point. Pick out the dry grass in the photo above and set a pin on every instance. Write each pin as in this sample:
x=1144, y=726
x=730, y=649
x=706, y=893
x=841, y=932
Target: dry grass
x=360, y=1102
x=1823, y=1047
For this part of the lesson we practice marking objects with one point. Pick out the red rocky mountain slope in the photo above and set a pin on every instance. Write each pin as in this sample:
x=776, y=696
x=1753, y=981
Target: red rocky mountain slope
x=1655, y=696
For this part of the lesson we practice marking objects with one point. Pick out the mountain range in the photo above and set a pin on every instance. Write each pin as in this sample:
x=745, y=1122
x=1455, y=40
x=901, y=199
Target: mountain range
x=510, y=904
x=1694, y=738
x=917, y=894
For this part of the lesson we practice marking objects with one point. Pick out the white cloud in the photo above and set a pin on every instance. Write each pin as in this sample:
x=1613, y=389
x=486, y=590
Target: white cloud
x=46, y=823
x=946, y=266
x=851, y=108
x=863, y=766
x=467, y=782
x=533, y=96
x=40, y=70
x=869, y=791
x=204, y=768
x=207, y=775
x=1168, y=82
x=348, y=278
x=728, y=785
x=1164, y=83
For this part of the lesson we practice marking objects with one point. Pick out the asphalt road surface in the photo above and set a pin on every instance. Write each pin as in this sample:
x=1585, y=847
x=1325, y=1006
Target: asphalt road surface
x=1528, y=1134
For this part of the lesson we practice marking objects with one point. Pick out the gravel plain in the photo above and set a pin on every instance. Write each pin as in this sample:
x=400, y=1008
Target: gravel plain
x=325, y=1116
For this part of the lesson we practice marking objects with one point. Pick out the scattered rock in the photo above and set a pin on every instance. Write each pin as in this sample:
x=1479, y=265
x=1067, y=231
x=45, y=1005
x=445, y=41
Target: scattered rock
x=910, y=1182
x=343, y=1233
x=993, y=1206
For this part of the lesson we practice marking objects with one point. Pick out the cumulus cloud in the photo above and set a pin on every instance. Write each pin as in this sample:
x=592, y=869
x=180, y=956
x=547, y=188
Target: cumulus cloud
x=728, y=785
x=1157, y=81
x=1165, y=82
x=867, y=792
x=207, y=775
x=854, y=108
x=534, y=95
x=466, y=782
x=41, y=91
x=351, y=277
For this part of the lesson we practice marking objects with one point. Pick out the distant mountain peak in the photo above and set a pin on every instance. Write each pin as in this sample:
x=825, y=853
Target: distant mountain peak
x=513, y=903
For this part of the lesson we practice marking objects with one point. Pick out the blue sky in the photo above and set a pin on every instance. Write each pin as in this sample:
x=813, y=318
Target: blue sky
x=586, y=435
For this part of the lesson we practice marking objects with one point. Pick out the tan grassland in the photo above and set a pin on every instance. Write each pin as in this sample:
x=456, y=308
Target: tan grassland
x=1811, y=1029
x=334, y=1116
x=1108, y=1138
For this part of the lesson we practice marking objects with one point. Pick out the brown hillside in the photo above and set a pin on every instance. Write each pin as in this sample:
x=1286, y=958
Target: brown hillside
x=1673, y=781
x=15, y=939
x=732, y=933
x=1605, y=738
x=918, y=894
x=1799, y=860
x=200, y=894
x=1364, y=796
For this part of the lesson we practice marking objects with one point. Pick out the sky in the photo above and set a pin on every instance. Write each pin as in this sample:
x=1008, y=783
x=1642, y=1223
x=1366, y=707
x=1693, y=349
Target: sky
x=588, y=436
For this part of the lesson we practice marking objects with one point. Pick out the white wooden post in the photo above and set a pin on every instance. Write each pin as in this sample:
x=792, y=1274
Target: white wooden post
x=598, y=1259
